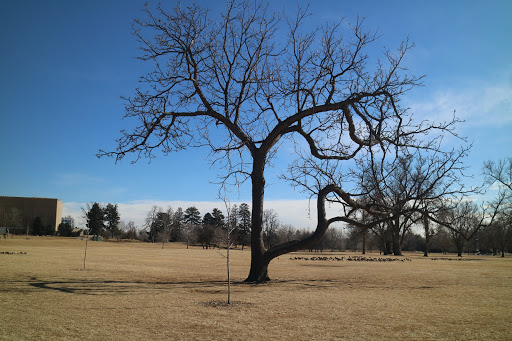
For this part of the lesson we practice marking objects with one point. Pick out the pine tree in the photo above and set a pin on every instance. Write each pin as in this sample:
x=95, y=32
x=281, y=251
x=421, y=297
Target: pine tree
x=244, y=224
x=95, y=218
x=112, y=219
x=192, y=216
x=38, y=227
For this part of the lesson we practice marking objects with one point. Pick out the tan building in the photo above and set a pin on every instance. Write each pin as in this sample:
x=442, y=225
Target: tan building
x=18, y=212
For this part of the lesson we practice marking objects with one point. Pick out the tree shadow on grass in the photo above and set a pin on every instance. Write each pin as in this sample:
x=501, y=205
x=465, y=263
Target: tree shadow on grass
x=120, y=287
x=113, y=287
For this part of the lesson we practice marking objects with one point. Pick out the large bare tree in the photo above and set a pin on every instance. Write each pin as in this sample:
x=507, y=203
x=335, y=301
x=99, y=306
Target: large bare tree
x=241, y=81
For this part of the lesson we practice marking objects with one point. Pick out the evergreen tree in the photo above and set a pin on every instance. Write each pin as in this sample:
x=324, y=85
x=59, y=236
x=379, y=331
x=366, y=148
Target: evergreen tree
x=65, y=230
x=38, y=227
x=49, y=230
x=162, y=226
x=218, y=217
x=233, y=217
x=95, y=218
x=112, y=219
x=192, y=216
x=208, y=220
x=177, y=225
x=244, y=224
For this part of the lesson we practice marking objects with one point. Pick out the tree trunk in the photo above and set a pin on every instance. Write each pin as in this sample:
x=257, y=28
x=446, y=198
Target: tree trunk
x=460, y=247
x=260, y=258
x=397, y=250
x=387, y=247
x=259, y=263
x=259, y=269
x=427, y=236
x=364, y=242
x=425, y=254
x=395, y=233
x=427, y=242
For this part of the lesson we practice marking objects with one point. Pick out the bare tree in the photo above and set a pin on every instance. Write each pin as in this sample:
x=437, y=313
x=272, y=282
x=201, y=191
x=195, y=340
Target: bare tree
x=500, y=234
x=229, y=229
x=270, y=225
x=189, y=233
x=430, y=230
x=14, y=218
x=465, y=222
x=334, y=238
x=499, y=172
x=243, y=81
x=129, y=230
x=150, y=222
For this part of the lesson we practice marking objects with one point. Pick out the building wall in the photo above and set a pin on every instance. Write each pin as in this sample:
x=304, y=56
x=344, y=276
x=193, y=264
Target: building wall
x=21, y=212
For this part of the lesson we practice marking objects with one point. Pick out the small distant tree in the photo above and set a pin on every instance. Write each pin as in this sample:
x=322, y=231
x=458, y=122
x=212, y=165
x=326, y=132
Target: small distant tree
x=166, y=221
x=233, y=222
x=431, y=229
x=192, y=216
x=464, y=221
x=112, y=219
x=205, y=235
x=500, y=234
x=244, y=225
x=130, y=231
x=208, y=219
x=49, y=230
x=218, y=218
x=38, y=227
x=189, y=233
x=177, y=225
x=270, y=226
x=95, y=217
x=14, y=218
x=357, y=238
x=499, y=173
x=383, y=235
x=334, y=239
x=192, y=221
x=65, y=229
x=212, y=225
x=153, y=228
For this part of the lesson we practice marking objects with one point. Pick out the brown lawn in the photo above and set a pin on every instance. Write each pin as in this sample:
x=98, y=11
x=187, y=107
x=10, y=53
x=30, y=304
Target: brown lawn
x=136, y=291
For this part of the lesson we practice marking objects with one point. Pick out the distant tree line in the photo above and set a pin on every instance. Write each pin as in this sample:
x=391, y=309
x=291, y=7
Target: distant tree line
x=190, y=227
x=488, y=240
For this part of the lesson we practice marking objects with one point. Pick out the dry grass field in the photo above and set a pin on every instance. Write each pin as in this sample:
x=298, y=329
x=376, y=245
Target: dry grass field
x=136, y=291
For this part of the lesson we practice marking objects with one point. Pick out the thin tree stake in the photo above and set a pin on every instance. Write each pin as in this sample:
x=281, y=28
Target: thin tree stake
x=85, y=256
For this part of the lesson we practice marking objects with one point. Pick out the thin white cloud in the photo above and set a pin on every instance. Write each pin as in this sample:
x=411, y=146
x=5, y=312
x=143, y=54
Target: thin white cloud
x=478, y=103
x=71, y=179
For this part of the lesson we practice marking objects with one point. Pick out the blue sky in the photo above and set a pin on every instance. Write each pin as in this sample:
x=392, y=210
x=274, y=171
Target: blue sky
x=65, y=64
